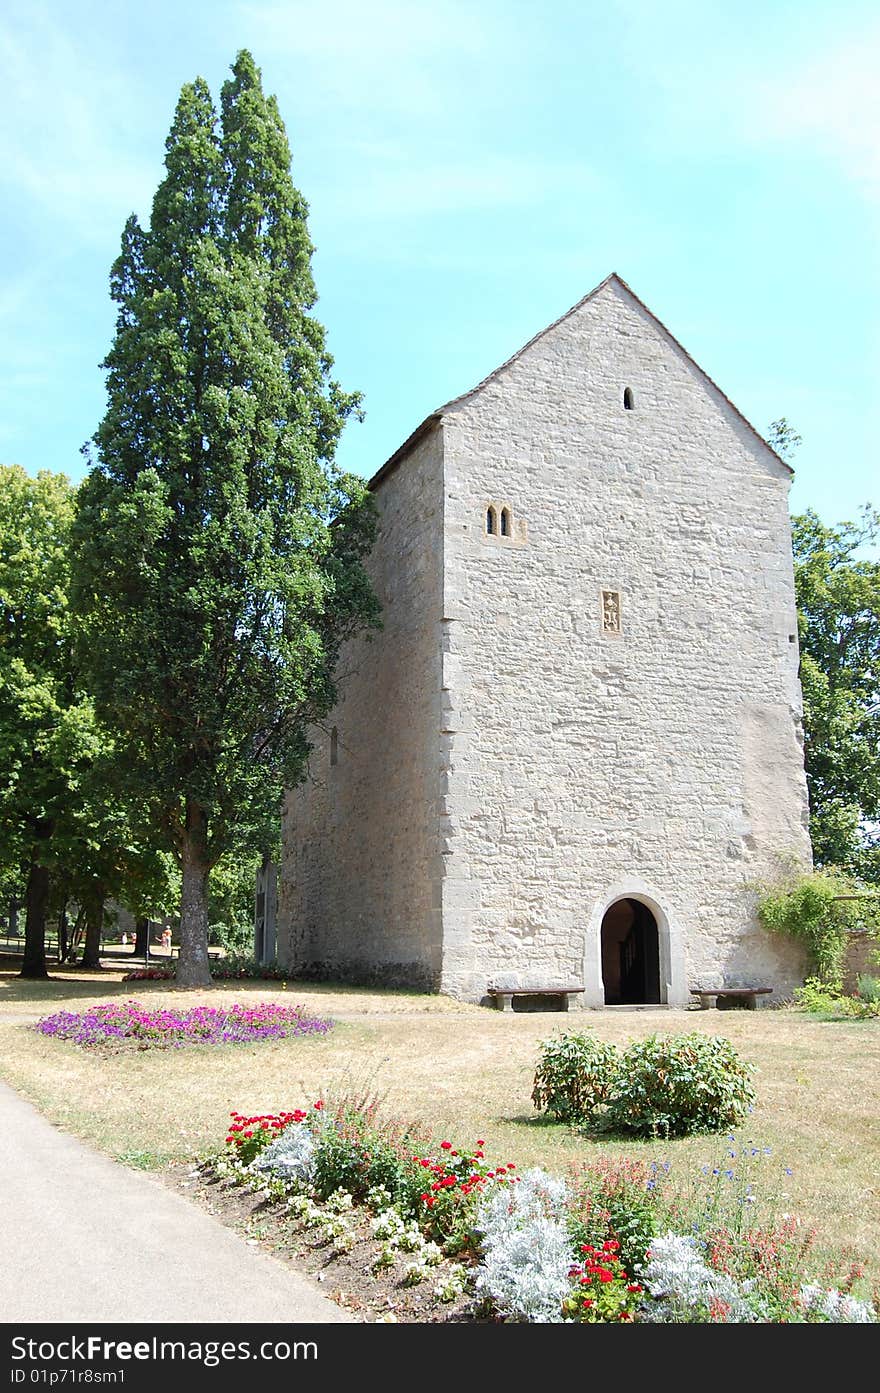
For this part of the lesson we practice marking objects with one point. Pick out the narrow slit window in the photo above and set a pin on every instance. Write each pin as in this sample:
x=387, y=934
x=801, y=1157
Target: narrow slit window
x=628, y=399
x=505, y=522
x=491, y=525
x=334, y=747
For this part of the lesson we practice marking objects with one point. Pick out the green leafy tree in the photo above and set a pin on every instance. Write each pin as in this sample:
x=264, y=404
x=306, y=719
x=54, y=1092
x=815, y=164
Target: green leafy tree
x=231, y=903
x=784, y=438
x=837, y=585
x=105, y=860
x=218, y=549
x=838, y=596
x=49, y=738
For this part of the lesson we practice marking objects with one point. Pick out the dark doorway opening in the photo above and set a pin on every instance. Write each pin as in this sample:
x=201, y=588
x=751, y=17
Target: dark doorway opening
x=630, y=955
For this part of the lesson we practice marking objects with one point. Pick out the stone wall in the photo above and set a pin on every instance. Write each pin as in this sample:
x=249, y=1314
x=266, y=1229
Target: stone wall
x=862, y=957
x=662, y=762
x=359, y=894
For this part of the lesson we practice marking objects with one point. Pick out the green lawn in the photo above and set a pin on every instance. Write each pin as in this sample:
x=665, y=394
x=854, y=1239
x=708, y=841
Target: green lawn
x=466, y=1072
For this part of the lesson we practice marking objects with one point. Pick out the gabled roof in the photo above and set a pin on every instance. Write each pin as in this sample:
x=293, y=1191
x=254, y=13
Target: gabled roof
x=436, y=416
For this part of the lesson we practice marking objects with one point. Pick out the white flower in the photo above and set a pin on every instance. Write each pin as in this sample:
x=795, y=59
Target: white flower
x=389, y=1224
x=453, y=1283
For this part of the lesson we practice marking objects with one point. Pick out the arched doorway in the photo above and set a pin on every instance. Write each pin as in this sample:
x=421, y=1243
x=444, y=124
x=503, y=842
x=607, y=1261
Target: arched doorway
x=630, y=955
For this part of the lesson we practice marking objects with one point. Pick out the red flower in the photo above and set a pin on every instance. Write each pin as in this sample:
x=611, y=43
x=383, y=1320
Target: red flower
x=446, y=1146
x=319, y=1105
x=480, y=1141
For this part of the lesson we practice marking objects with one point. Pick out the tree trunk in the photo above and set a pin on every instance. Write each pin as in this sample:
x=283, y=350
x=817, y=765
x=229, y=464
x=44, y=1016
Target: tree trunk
x=141, y=938
x=193, y=969
x=36, y=901
x=63, y=939
x=77, y=932
x=94, y=925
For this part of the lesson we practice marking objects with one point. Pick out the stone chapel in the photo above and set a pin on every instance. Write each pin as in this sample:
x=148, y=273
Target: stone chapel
x=576, y=744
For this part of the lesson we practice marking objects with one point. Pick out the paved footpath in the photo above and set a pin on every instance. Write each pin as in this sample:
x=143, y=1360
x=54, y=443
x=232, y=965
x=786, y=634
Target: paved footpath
x=85, y=1239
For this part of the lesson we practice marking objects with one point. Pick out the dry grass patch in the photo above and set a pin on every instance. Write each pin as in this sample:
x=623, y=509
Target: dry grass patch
x=465, y=1071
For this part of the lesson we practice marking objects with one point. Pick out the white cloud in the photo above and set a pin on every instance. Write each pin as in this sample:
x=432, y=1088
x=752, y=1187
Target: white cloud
x=63, y=142
x=831, y=103
x=386, y=55
x=798, y=77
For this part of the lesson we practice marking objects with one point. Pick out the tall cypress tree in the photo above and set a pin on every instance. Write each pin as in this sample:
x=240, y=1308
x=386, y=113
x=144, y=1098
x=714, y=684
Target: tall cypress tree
x=218, y=549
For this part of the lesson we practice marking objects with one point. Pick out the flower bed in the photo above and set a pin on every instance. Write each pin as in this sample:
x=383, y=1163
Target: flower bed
x=616, y=1241
x=132, y=1024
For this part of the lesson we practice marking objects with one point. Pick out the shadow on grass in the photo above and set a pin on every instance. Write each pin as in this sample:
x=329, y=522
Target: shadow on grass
x=542, y=1121
x=69, y=983
x=837, y=1018
x=601, y=1135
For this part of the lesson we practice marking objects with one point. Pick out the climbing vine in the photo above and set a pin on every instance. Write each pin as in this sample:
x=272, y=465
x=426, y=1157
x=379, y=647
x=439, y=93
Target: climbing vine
x=819, y=908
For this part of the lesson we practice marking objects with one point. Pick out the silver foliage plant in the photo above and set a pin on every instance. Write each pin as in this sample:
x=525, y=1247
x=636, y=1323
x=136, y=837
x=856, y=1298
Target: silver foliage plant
x=837, y=1306
x=290, y=1157
x=684, y=1286
x=527, y=1251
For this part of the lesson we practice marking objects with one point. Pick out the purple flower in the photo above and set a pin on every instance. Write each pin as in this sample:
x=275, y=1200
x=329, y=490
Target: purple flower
x=169, y=1027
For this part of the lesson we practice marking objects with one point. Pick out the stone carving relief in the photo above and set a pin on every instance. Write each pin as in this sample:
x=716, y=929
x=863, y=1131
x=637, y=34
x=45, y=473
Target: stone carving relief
x=611, y=623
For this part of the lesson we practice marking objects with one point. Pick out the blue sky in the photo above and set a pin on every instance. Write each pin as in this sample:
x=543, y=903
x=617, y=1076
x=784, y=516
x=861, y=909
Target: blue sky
x=472, y=170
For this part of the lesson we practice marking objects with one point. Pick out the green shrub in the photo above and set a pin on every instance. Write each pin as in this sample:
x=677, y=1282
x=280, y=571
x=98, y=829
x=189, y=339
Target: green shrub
x=573, y=1076
x=239, y=965
x=672, y=1085
x=829, y=1003
x=868, y=988
x=357, y=1152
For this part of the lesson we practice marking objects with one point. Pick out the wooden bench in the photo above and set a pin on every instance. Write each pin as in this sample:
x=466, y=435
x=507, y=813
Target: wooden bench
x=503, y=996
x=746, y=997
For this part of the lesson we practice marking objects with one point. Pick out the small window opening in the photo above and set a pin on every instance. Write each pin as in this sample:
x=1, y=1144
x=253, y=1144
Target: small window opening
x=334, y=746
x=628, y=399
x=505, y=522
x=490, y=521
